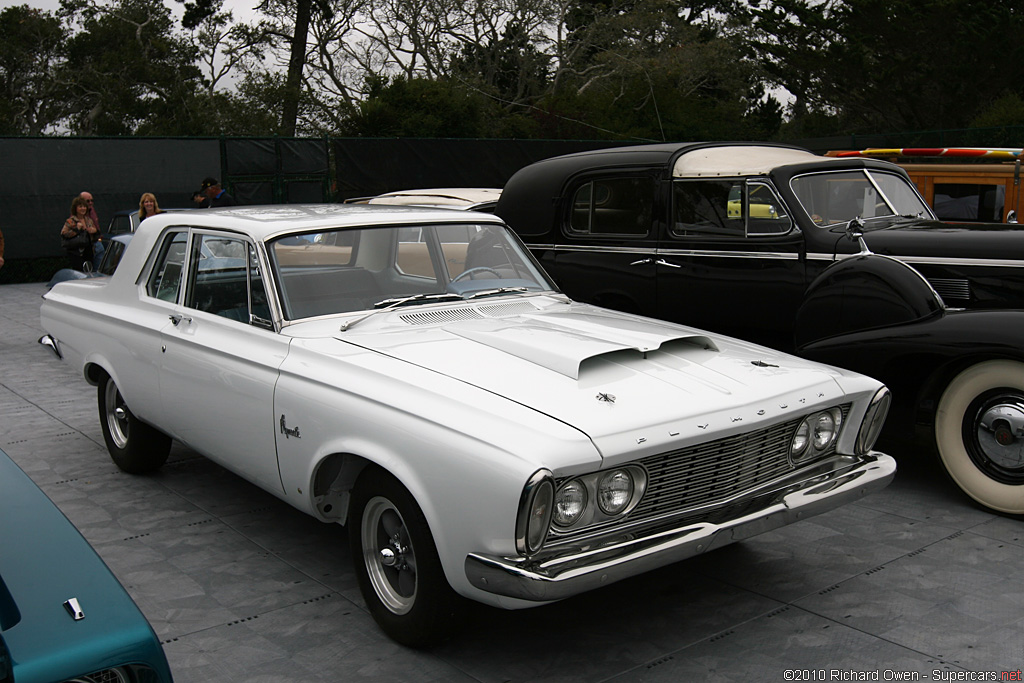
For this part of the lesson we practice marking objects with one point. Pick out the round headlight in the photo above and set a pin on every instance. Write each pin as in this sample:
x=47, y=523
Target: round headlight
x=570, y=502
x=824, y=430
x=614, y=491
x=800, y=439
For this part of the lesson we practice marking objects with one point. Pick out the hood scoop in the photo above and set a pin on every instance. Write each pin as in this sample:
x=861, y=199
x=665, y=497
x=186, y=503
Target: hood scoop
x=563, y=345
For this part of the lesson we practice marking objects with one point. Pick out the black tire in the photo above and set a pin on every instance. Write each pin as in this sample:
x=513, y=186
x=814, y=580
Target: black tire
x=979, y=433
x=134, y=446
x=397, y=565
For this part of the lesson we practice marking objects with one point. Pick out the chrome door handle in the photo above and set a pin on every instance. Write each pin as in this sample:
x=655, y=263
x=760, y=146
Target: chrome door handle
x=175, y=319
x=663, y=262
x=642, y=262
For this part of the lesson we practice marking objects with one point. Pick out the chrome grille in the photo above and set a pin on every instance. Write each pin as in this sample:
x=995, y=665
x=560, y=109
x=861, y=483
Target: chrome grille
x=711, y=473
x=715, y=470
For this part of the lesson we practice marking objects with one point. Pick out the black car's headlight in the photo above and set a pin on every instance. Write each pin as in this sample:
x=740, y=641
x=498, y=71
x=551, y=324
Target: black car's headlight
x=815, y=435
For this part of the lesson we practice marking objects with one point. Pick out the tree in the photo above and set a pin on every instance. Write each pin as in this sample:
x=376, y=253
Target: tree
x=508, y=67
x=32, y=100
x=128, y=72
x=417, y=107
x=883, y=65
x=650, y=70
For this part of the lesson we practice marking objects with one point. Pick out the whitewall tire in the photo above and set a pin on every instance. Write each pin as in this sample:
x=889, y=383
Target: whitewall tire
x=979, y=433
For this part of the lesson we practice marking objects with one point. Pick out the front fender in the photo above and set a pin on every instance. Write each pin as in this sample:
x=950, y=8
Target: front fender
x=917, y=359
x=864, y=292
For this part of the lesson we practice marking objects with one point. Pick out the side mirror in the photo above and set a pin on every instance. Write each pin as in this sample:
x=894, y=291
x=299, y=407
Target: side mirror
x=855, y=233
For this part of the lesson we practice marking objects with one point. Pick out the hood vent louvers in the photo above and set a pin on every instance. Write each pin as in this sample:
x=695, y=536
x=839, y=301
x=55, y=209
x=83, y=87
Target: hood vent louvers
x=450, y=315
x=444, y=315
x=505, y=309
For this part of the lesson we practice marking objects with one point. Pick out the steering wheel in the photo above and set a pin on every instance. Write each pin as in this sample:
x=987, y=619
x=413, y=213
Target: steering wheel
x=475, y=270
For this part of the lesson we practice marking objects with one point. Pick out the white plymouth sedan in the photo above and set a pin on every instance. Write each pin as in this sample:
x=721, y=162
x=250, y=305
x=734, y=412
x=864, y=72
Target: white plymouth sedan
x=413, y=374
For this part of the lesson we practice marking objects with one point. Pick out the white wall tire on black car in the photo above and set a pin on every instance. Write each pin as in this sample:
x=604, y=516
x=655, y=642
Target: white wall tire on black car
x=979, y=433
x=134, y=446
x=396, y=563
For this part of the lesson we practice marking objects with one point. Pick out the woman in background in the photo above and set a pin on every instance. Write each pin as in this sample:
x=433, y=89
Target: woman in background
x=148, y=206
x=77, y=235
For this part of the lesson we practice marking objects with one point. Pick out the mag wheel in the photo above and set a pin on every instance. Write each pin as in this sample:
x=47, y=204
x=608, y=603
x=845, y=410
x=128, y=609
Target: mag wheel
x=979, y=433
x=133, y=445
x=397, y=564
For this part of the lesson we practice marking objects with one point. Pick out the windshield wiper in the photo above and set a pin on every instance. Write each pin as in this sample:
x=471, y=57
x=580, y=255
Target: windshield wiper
x=398, y=302
x=499, y=290
x=415, y=298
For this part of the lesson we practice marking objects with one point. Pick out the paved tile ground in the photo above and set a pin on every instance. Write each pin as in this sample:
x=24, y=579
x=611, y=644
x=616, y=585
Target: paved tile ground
x=911, y=581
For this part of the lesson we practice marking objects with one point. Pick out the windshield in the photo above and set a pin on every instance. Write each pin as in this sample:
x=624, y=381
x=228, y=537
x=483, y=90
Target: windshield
x=833, y=198
x=342, y=271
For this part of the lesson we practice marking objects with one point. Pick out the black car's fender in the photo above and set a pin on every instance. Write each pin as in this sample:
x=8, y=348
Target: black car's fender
x=952, y=376
x=864, y=292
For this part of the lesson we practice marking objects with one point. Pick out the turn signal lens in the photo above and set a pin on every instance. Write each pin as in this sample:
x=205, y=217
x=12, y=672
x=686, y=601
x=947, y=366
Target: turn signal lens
x=540, y=517
x=873, y=421
x=534, y=516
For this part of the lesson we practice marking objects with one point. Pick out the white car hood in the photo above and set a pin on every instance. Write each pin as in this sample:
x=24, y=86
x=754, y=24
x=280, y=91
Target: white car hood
x=620, y=379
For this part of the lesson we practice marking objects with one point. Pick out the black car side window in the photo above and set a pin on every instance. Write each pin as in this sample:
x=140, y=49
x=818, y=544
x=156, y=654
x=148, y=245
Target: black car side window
x=727, y=206
x=708, y=207
x=613, y=206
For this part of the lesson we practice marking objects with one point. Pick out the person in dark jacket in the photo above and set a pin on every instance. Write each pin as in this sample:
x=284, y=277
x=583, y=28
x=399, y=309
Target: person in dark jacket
x=211, y=195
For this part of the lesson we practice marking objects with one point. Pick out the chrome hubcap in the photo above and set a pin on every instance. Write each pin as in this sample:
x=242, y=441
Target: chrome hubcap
x=388, y=555
x=994, y=435
x=117, y=416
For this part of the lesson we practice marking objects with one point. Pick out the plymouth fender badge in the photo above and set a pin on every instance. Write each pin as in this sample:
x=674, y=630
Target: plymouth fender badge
x=605, y=398
x=288, y=432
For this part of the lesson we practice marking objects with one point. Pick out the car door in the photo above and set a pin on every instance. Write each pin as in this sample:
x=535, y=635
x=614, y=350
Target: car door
x=221, y=357
x=607, y=242
x=731, y=260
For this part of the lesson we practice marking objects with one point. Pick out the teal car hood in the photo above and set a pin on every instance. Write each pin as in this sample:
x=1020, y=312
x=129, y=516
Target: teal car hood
x=43, y=563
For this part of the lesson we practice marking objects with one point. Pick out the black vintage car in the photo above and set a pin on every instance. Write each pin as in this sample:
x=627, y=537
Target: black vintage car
x=839, y=260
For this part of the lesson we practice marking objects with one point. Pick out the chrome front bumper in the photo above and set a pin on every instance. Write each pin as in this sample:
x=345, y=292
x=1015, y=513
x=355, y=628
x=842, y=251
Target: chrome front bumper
x=564, y=574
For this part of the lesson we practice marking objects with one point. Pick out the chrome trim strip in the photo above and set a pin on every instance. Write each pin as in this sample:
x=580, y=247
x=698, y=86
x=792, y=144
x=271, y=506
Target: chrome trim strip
x=598, y=249
x=933, y=260
x=787, y=256
x=560, y=575
x=776, y=255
